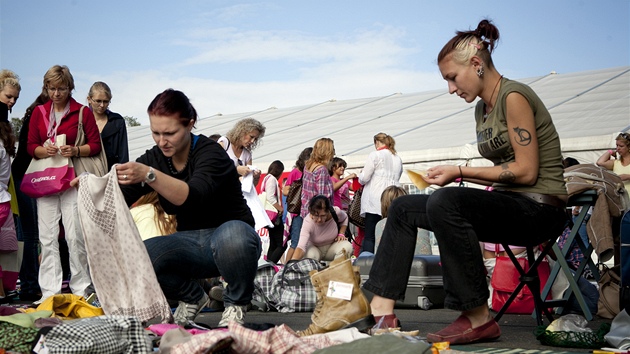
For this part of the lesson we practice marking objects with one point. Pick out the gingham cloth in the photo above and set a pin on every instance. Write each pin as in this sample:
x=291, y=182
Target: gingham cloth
x=277, y=340
x=103, y=335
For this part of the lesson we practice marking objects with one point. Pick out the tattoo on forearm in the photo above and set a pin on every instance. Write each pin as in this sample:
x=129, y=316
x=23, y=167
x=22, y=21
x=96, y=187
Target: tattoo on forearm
x=524, y=137
x=507, y=177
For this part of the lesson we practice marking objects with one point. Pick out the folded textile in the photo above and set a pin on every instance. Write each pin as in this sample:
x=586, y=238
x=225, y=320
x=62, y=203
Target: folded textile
x=68, y=306
x=280, y=339
x=25, y=319
x=103, y=335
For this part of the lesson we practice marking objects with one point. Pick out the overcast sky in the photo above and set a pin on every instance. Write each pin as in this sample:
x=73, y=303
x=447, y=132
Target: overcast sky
x=246, y=56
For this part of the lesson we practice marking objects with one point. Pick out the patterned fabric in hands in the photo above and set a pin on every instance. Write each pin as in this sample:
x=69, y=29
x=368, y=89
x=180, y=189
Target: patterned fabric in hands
x=120, y=267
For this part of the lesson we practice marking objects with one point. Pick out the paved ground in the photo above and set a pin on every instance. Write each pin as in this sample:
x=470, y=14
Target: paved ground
x=517, y=330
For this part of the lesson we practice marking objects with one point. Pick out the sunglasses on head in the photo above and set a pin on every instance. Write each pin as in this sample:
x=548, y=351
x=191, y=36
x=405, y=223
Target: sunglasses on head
x=625, y=135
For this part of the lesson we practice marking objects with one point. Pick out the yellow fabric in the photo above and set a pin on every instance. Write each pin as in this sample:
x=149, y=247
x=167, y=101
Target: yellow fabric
x=14, y=202
x=68, y=307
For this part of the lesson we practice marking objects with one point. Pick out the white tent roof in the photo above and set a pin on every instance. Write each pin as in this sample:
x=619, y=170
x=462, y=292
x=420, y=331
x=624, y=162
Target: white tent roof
x=588, y=108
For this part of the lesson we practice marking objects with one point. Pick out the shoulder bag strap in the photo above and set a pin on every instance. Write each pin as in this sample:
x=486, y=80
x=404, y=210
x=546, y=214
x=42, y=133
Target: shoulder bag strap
x=80, y=134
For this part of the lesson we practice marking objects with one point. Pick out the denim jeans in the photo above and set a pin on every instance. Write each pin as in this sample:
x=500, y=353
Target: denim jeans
x=28, y=232
x=460, y=218
x=230, y=250
x=296, y=227
x=370, y=232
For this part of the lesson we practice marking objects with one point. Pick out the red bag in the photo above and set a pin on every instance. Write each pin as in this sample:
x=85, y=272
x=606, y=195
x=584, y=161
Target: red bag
x=505, y=279
x=48, y=176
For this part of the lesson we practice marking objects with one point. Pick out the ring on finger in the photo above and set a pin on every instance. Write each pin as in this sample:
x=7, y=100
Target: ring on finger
x=124, y=177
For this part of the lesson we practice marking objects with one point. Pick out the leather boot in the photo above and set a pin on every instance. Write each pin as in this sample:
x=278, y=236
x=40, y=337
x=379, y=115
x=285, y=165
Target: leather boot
x=331, y=313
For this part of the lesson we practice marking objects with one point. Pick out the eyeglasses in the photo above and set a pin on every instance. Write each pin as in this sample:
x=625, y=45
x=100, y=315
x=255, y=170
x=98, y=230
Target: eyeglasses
x=320, y=216
x=99, y=102
x=625, y=135
x=57, y=89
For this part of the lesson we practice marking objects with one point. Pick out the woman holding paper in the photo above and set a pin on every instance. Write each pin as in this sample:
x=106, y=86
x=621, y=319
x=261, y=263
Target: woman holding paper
x=239, y=143
x=58, y=118
x=527, y=206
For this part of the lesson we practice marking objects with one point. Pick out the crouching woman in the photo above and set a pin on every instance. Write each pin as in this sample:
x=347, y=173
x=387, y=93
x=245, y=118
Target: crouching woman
x=323, y=232
x=190, y=173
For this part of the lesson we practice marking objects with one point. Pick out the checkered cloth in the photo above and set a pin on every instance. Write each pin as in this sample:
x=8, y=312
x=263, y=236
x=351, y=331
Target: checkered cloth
x=280, y=339
x=103, y=334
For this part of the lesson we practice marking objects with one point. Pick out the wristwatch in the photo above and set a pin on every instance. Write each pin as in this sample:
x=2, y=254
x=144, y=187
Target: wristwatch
x=150, y=178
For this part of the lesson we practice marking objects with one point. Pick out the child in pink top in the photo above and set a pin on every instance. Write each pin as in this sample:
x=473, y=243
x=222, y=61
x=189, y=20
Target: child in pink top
x=341, y=185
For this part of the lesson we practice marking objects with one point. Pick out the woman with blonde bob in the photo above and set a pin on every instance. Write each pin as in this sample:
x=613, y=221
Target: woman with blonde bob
x=60, y=115
x=111, y=125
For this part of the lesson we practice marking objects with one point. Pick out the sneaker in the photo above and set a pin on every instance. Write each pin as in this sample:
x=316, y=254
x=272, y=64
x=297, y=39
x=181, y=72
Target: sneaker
x=216, y=293
x=188, y=312
x=233, y=313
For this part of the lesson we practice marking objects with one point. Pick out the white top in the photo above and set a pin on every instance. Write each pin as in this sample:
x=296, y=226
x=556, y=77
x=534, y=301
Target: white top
x=5, y=174
x=270, y=185
x=245, y=158
x=382, y=169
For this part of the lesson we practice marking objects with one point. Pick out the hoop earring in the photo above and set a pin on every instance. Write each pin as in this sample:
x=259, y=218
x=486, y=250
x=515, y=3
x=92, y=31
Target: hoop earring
x=480, y=71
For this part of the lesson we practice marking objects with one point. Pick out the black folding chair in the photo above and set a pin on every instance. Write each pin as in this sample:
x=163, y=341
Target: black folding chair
x=529, y=277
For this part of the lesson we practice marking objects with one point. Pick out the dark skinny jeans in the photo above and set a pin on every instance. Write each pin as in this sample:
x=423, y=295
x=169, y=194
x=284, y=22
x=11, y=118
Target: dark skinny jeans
x=460, y=218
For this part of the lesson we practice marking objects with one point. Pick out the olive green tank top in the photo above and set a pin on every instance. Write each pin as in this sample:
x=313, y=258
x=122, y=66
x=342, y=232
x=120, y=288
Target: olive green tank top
x=494, y=144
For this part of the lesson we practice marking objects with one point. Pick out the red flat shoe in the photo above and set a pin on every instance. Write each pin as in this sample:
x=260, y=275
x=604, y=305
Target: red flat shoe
x=461, y=332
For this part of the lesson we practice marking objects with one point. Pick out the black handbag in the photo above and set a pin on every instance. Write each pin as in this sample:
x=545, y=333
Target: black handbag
x=354, y=210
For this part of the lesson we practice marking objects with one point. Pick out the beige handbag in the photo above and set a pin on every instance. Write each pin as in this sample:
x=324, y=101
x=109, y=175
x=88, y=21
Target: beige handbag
x=96, y=164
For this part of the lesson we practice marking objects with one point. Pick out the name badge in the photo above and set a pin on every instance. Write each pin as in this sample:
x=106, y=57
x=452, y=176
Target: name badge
x=340, y=290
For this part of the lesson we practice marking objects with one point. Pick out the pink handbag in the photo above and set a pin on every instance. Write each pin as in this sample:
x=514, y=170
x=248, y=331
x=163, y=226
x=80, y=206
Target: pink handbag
x=48, y=176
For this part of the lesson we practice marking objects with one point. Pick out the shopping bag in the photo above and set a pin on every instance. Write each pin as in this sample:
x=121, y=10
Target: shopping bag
x=96, y=164
x=49, y=175
x=505, y=279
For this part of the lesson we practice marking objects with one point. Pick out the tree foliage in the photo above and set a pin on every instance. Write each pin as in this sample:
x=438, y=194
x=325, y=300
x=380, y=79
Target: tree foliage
x=16, y=125
x=132, y=121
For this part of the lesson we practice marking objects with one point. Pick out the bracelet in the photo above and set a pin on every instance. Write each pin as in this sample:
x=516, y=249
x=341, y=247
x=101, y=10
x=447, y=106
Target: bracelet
x=78, y=151
x=342, y=235
x=461, y=175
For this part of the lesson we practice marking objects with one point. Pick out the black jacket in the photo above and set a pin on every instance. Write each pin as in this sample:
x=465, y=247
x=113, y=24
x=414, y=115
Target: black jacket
x=114, y=138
